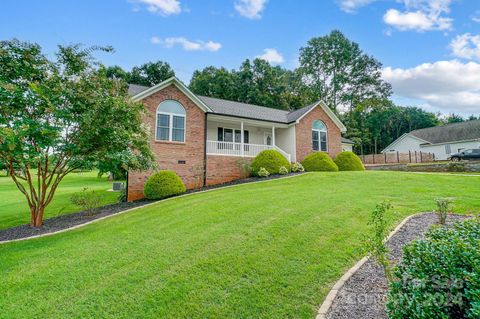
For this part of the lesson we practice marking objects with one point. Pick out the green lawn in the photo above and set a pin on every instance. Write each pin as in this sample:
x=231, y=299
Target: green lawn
x=14, y=208
x=266, y=250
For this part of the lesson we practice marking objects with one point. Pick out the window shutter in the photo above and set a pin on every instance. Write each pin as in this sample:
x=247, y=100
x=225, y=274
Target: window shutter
x=220, y=134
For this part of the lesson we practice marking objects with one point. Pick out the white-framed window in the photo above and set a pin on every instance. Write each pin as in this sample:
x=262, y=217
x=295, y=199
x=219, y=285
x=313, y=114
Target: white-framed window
x=170, y=123
x=319, y=136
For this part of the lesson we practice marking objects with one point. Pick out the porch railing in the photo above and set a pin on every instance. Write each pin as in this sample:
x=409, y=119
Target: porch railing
x=235, y=149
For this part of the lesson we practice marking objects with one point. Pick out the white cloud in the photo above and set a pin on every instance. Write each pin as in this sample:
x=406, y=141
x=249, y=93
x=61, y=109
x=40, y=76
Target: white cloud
x=466, y=46
x=251, y=9
x=447, y=86
x=476, y=17
x=420, y=16
x=351, y=6
x=186, y=44
x=163, y=7
x=271, y=56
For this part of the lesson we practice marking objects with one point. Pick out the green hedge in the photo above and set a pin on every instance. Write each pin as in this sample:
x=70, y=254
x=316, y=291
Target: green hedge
x=348, y=161
x=319, y=161
x=271, y=160
x=439, y=277
x=163, y=184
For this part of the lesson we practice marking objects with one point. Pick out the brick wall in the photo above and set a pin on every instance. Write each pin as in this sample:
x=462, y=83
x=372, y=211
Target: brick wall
x=223, y=169
x=168, y=154
x=303, y=132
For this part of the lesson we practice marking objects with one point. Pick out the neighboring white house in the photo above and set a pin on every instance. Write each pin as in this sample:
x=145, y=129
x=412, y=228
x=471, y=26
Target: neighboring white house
x=440, y=140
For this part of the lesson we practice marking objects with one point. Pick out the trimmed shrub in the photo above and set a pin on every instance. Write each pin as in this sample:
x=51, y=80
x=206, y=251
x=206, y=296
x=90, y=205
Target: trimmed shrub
x=349, y=161
x=163, y=184
x=297, y=167
x=271, y=160
x=319, y=161
x=262, y=172
x=438, y=276
x=283, y=170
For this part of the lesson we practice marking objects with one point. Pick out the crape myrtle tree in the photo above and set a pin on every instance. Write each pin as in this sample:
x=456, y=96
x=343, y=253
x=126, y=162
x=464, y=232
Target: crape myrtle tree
x=62, y=115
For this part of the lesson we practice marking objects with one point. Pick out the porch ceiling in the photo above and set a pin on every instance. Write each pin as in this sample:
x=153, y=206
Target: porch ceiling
x=237, y=120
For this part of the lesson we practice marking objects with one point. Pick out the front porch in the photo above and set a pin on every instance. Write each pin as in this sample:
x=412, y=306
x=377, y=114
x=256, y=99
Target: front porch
x=227, y=136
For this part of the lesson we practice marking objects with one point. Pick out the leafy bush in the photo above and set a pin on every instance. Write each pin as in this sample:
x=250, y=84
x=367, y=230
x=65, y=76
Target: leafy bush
x=283, y=170
x=319, y=161
x=456, y=167
x=443, y=208
x=163, y=184
x=349, y=161
x=375, y=243
x=89, y=201
x=262, y=172
x=439, y=276
x=297, y=167
x=271, y=160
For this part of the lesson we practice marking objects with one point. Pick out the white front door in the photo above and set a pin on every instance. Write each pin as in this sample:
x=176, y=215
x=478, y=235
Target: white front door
x=267, y=138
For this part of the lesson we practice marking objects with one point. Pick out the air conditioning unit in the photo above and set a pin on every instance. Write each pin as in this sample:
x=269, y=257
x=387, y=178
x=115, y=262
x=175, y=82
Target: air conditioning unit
x=118, y=186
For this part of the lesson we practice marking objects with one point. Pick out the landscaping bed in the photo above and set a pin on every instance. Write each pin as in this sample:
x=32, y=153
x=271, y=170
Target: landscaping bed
x=364, y=294
x=61, y=222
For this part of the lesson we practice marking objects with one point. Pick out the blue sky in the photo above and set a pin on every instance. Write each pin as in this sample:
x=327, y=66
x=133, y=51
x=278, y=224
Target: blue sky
x=430, y=49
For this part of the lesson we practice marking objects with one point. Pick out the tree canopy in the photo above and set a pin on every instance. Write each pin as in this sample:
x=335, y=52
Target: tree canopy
x=147, y=74
x=62, y=115
x=337, y=71
x=255, y=82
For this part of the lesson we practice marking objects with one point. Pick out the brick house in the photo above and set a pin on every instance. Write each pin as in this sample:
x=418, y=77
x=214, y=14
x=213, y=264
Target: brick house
x=201, y=139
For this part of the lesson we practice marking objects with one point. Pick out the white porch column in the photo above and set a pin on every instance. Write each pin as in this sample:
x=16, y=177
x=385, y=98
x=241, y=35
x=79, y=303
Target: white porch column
x=242, y=141
x=273, y=136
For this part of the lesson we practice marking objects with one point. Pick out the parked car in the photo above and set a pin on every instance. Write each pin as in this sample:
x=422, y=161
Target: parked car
x=470, y=154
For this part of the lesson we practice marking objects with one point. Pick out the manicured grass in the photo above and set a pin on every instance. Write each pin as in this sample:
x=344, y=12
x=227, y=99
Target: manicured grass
x=14, y=208
x=266, y=250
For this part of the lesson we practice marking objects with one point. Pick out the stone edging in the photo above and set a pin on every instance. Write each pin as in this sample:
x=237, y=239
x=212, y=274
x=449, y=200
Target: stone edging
x=142, y=206
x=327, y=303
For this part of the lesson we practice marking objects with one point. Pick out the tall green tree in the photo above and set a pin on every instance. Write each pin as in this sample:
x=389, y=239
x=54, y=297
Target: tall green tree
x=62, y=115
x=215, y=82
x=255, y=82
x=337, y=71
x=151, y=73
x=116, y=72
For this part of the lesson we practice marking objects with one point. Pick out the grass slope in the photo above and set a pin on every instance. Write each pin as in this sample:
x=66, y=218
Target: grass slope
x=266, y=250
x=14, y=208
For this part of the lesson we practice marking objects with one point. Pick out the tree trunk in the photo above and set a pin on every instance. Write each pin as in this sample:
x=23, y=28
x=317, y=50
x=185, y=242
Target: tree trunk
x=36, y=216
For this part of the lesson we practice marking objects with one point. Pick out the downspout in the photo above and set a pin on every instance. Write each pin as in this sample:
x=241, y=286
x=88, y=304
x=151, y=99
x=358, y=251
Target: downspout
x=205, y=152
x=126, y=189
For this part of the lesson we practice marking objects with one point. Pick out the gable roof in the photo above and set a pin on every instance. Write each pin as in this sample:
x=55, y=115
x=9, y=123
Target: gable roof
x=143, y=93
x=235, y=109
x=462, y=131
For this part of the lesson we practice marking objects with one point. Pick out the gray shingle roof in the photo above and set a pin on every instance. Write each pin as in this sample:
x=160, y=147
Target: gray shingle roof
x=232, y=108
x=347, y=141
x=134, y=89
x=463, y=131
x=252, y=111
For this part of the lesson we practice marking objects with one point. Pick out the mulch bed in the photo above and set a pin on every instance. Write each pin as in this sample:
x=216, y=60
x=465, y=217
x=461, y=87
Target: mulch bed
x=364, y=294
x=69, y=220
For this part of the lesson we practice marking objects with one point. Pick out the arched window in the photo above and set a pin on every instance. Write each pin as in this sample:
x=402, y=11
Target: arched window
x=319, y=136
x=170, y=121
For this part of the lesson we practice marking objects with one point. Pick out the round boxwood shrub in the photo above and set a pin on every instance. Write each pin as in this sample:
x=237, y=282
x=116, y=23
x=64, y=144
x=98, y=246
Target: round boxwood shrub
x=163, y=184
x=438, y=276
x=319, y=161
x=271, y=160
x=349, y=161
